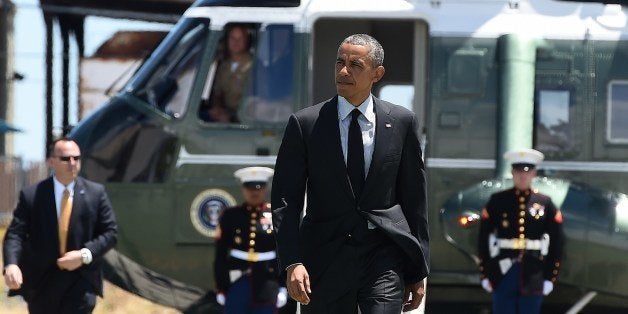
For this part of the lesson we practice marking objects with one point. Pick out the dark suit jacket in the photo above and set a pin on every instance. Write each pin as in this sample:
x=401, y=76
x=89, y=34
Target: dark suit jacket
x=32, y=240
x=394, y=195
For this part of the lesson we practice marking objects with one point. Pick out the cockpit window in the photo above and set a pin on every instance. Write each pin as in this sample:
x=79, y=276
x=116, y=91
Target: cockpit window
x=169, y=86
x=270, y=99
x=232, y=70
x=252, y=82
x=617, y=112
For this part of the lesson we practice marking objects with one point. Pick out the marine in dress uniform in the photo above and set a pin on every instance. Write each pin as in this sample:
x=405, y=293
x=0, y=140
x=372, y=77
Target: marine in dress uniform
x=520, y=241
x=245, y=267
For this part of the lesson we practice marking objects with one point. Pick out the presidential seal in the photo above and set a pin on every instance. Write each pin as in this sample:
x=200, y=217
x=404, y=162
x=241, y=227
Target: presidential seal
x=207, y=207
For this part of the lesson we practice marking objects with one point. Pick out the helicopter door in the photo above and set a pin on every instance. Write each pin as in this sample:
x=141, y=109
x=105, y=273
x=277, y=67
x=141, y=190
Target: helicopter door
x=609, y=235
x=558, y=125
x=609, y=97
x=562, y=131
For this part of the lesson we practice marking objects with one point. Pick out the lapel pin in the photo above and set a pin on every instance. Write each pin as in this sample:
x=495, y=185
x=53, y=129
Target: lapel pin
x=82, y=192
x=388, y=125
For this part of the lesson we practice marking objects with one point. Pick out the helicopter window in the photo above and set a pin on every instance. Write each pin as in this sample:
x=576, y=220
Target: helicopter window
x=400, y=94
x=258, y=89
x=129, y=149
x=617, y=112
x=169, y=86
x=554, y=130
x=270, y=97
x=233, y=66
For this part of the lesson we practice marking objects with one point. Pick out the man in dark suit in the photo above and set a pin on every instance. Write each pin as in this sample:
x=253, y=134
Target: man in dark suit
x=61, y=229
x=363, y=241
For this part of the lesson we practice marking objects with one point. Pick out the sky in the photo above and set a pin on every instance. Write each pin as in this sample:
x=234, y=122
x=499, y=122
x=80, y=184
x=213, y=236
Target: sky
x=29, y=94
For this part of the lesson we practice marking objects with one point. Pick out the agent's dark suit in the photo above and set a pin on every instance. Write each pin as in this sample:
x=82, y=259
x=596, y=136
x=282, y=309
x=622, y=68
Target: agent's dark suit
x=32, y=240
x=333, y=237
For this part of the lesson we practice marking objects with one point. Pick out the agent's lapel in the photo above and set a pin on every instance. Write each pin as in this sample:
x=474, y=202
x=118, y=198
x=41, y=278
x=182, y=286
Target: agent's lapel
x=49, y=208
x=78, y=205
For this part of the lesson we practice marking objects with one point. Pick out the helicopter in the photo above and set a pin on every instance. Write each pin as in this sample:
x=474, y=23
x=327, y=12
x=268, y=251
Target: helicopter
x=483, y=77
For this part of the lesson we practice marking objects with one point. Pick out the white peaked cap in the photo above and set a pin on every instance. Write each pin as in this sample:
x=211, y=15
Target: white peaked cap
x=524, y=156
x=254, y=174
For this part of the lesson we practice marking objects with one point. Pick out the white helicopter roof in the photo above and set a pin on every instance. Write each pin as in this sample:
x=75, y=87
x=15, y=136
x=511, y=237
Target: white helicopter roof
x=482, y=18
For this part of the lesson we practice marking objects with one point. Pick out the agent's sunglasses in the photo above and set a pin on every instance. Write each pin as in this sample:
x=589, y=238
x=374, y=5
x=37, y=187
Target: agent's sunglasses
x=67, y=158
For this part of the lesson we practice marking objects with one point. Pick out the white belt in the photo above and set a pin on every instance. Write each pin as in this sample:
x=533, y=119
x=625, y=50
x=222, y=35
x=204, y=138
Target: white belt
x=519, y=244
x=253, y=256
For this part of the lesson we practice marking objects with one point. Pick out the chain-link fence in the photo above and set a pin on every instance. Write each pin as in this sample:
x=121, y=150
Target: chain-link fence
x=14, y=175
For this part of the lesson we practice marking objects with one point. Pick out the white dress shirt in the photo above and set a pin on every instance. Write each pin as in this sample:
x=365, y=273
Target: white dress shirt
x=86, y=254
x=59, y=188
x=367, y=124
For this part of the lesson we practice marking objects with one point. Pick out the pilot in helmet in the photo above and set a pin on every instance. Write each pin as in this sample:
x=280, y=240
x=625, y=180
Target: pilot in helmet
x=520, y=241
x=245, y=266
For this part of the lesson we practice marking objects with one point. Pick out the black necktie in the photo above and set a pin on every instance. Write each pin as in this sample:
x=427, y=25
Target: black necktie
x=355, y=155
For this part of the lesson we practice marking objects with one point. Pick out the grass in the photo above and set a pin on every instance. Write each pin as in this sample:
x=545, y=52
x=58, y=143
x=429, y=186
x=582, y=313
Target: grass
x=116, y=300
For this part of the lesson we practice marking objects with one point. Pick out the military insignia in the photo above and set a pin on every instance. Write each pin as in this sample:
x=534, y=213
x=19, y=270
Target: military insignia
x=484, y=214
x=532, y=211
x=537, y=210
x=558, y=217
x=505, y=223
x=266, y=221
x=206, y=209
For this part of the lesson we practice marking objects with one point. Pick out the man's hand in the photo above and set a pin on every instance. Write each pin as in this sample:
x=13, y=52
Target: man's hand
x=413, y=295
x=486, y=284
x=221, y=298
x=70, y=260
x=548, y=286
x=298, y=283
x=13, y=276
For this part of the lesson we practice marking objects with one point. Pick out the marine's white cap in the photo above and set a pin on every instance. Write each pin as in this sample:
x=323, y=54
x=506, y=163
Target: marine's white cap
x=524, y=158
x=254, y=177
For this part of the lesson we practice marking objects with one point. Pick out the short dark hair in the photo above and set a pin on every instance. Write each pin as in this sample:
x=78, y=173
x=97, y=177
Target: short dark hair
x=51, y=148
x=376, y=52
